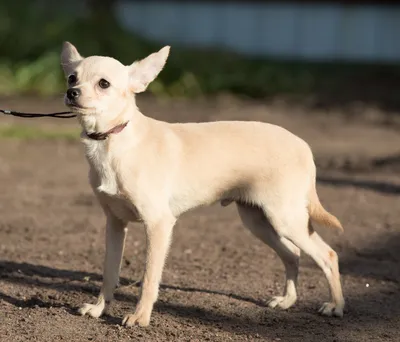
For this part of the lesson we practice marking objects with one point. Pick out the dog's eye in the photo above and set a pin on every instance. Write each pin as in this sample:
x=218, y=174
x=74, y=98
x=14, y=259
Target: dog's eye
x=72, y=79
x=104, y=84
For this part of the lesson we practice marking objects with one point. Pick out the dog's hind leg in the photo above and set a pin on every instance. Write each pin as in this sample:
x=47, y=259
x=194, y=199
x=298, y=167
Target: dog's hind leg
x=331, y=268
x=292, y=222
x=115, y=240
x=255, y=220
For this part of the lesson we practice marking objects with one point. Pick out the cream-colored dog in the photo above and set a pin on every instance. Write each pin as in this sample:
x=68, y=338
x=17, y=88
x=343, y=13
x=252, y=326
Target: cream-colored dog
x=152, y=171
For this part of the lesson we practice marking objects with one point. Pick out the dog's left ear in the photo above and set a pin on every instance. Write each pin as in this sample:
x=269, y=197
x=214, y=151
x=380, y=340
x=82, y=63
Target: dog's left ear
x=69, y=55
x=143, y=72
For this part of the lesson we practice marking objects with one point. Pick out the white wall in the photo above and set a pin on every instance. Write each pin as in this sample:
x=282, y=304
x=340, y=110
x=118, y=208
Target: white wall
x=301, y=31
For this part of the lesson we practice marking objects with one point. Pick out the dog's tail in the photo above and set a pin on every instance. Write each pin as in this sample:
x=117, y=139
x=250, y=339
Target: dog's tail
x=318, y=213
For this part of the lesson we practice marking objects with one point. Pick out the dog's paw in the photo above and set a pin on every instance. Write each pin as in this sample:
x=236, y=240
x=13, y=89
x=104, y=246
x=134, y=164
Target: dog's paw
x=331, y=309
x=282, y=302
x=93, y=310
x=140, y=318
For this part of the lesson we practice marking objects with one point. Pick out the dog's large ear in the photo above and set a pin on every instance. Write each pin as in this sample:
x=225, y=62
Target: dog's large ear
x=143, y=72
x=69, y=55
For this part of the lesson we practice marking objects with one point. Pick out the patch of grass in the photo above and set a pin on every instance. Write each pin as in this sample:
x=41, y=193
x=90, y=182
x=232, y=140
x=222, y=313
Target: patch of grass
x=23, y=132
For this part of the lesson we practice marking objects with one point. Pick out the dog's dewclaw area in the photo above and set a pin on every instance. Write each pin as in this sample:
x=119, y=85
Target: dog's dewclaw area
x=218, y=277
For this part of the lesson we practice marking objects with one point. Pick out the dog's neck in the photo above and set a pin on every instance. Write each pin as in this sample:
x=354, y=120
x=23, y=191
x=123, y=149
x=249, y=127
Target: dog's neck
x=101, y=126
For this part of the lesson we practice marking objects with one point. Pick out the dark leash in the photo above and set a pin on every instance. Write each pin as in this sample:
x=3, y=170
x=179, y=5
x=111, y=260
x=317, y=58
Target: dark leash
x=65, y=115
x=59, y=115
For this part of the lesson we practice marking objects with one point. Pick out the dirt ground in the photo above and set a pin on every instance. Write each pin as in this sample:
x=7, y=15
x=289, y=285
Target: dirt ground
x=218, y=276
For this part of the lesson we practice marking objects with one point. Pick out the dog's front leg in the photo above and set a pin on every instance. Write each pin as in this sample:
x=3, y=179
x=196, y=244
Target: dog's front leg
x=115, y=239
x=158, y=238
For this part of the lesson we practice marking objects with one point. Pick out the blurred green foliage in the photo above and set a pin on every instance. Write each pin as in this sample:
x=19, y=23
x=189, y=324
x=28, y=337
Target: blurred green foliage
x=32, y=32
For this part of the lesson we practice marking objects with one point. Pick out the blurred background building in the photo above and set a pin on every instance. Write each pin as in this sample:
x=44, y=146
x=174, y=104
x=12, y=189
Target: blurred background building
x=307, y=30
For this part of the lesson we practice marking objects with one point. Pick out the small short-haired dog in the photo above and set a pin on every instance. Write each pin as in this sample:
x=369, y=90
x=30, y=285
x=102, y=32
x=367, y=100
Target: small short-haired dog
x=152, y=171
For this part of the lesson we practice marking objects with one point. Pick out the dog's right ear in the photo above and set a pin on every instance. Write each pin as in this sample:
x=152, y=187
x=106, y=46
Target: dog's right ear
x=69, y=56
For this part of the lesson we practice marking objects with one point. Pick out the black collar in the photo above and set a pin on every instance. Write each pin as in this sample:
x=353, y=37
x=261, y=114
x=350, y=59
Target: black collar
x=104, y=136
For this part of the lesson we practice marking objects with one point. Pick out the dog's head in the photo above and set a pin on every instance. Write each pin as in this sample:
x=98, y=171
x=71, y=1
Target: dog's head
x=98, y=85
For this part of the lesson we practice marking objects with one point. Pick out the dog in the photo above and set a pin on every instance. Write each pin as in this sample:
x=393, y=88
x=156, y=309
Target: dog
x=152, y=171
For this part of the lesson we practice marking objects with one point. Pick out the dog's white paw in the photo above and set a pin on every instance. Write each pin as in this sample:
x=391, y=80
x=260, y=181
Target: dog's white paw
x=140, y=317
x=93, y=310
x=282, y=302
x=331, y=309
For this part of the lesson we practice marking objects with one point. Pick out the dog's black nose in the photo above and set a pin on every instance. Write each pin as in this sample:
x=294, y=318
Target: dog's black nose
x=73, y=93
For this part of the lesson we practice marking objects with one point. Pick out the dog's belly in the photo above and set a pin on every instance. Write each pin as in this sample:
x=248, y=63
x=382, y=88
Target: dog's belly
x=121, y=208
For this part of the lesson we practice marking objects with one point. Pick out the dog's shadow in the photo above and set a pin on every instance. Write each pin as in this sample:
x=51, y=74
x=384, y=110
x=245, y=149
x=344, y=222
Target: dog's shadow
x=269, y=324
x=26, y=273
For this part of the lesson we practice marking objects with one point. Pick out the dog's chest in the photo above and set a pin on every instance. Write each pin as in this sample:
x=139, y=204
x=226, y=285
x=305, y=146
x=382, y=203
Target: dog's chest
x=103, y=167
x=104, y=180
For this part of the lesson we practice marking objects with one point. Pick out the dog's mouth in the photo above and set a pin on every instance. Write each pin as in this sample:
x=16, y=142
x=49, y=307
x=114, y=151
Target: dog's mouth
x=77, y=108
